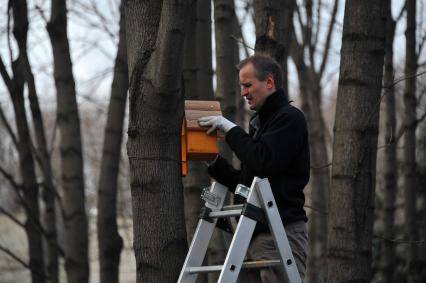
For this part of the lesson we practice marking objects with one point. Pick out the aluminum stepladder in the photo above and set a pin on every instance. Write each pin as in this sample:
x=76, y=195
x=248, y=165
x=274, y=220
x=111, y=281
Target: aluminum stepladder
x=260, y=203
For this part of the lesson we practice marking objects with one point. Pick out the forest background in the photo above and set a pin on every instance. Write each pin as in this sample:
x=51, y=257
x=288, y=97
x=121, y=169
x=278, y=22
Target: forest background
x=68, y=193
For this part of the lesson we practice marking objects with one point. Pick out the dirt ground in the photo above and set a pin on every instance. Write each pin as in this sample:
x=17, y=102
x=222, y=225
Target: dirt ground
x=13, y=237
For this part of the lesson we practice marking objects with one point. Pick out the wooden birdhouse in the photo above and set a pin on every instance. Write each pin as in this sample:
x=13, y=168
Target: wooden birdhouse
x=196, y=144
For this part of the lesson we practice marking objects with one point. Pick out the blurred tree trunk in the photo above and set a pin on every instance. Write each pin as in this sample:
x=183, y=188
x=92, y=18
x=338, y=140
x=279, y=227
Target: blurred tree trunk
x=310, y=87
x=204, y=50
x=355, y=143
x=155, y=34
x=390, y=163
x=197, y=67
x=30, y=187
x=109, y=240
x=409, y=157
x=273, y=21
x=226, y=92
x=76, y=231
x=49, y=192
x=226, y=71
x=194, y=48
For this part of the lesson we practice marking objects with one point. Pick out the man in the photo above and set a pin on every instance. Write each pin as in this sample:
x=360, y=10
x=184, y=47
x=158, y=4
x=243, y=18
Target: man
x=276, y=148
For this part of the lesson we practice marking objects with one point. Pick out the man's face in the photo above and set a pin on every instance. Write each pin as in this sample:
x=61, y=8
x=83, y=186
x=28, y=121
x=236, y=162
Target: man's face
x=254, y=90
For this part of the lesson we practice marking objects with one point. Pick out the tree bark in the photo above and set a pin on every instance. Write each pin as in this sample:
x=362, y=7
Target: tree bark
x=26, y=159
x=311, y=96
x=155, y=35
x=226, y=71
x=72, y=178
x=390, y=162
x=273, y=21
x=409, y=160
x=109, y=240
x=355, y=143
x=204, y=50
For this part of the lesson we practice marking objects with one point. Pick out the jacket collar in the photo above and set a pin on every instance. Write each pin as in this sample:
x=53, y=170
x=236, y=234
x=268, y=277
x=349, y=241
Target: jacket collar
x=273, y=103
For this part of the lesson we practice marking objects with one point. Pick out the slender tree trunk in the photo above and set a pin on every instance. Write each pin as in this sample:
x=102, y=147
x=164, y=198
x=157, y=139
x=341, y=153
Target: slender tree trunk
x=204, y=50
x=226, y=71
x=109, y=240
x=52, y=248
x=76, y=231
x=155, y=34
x=273, y=21
x=355, y=143
x=26, y=160
x=409, y=160
x=390, y=162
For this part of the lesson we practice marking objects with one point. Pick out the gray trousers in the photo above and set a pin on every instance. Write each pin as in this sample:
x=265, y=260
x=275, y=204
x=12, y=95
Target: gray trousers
x=263, y=247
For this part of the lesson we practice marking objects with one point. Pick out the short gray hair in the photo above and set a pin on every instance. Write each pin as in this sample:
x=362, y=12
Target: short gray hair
x=264, y=65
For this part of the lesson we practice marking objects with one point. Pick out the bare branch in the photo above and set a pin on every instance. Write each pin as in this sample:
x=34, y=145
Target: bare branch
x=244, y=44
x=20, y=260
x=40, y=10
x=401, y=12
x=397, y=81
x=399, y=241
x=9, y=178
x=8, y=128
x=6, y=78
x=13, y=218
x=328, y=39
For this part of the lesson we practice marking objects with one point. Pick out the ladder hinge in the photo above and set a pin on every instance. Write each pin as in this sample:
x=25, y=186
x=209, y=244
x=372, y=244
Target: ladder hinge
x=205, y=214
x=254, y=212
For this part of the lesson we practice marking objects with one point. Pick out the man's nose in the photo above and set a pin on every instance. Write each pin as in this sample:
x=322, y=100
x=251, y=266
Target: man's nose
x=244, y=92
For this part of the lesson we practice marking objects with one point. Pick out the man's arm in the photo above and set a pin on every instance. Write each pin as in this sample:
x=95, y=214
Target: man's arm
x=278, y=146
x=224, y=173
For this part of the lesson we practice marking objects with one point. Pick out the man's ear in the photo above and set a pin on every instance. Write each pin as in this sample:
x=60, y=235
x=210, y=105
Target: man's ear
x=270, y=82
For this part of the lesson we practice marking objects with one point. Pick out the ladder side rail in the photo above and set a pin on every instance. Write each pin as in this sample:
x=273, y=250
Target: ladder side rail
x=202, y=236
x=239, y=245
x=266, y=198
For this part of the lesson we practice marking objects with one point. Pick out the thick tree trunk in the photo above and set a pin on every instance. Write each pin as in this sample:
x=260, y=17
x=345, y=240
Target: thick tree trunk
x=155, y=35
x=76, y=231
x=409, y=160
x=355, y=143
x=26, y=160
x=273, y=21
x=109, y=240
x=390, y=162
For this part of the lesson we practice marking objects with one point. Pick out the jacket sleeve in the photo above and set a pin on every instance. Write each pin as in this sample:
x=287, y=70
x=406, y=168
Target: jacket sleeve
x=224, y=173
x=276, y=148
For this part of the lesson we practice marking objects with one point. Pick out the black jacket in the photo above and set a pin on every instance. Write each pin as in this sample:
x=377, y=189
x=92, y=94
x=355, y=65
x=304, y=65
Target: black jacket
x=277, y=150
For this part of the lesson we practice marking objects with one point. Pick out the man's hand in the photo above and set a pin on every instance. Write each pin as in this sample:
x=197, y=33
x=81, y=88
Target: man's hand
x=216, y=123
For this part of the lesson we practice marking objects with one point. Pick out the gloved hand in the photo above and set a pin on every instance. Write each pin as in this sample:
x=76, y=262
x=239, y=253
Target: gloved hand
x=216, y=122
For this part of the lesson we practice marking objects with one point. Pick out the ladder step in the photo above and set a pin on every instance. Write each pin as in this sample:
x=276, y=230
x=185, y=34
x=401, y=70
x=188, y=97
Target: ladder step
x=227, y=213
x=233, y=207
x=246, y=264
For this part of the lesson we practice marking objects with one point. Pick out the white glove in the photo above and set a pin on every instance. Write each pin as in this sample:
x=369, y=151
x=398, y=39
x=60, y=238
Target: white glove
x=216, y=122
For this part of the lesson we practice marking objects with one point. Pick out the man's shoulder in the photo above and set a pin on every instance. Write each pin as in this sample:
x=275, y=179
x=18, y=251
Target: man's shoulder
x=292, y=112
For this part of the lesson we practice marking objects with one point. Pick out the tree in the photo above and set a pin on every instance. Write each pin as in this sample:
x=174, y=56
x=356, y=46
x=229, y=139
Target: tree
x=274, y=22
x=30, y=188
x=409, y=161
x=109, y=240
x=311, y=73
x=155, y=34
x=76, y=231
x=355, y=143
x=390, y=163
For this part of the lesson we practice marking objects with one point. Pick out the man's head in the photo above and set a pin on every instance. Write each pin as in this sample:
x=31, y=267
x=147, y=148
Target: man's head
x=260, y=76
